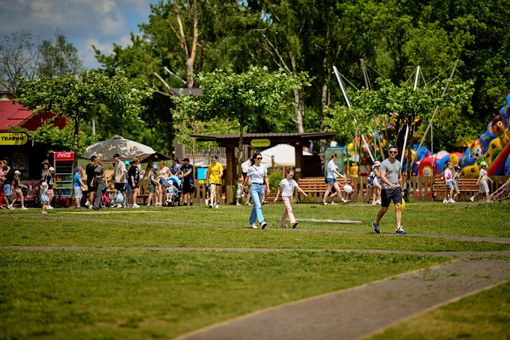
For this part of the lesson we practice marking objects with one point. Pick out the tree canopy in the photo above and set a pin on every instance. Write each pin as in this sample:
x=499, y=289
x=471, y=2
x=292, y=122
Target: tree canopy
x=250, y=98
x=75, y=97
x=312, y=36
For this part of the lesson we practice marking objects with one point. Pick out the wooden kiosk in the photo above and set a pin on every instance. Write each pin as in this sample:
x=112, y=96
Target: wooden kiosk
x=231, y=142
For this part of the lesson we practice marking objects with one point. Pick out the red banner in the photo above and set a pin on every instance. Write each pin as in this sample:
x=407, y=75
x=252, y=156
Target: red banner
x=64, y=156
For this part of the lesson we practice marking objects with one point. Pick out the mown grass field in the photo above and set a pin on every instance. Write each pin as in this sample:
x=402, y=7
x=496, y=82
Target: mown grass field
x=132, y=292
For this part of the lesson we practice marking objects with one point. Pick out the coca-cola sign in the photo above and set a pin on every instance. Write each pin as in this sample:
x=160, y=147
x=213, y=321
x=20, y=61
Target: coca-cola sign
x=64, y=156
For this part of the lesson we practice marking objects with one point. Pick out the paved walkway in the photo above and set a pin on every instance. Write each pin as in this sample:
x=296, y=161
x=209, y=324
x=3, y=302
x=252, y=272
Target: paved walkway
x=365, y=310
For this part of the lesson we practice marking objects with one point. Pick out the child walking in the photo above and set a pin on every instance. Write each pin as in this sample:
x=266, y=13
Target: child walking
x=287, y=186
x=240, y=190
x=482, y=182
x=448, y=178
x=44, y=196
x=78, y=184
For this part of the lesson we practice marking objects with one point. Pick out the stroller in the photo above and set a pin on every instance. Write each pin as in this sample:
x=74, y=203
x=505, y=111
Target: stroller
x=173, y=191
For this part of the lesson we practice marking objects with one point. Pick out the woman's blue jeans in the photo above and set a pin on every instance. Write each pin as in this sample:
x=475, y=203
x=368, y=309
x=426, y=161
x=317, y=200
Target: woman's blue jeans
x=257, y=192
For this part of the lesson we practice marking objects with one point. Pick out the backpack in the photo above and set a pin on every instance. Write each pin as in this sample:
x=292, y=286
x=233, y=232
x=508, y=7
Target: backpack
x=371, y=178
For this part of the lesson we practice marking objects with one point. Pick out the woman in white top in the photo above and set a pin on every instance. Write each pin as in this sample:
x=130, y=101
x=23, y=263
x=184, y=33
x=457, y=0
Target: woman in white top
x=331, y=180
x=287, y=186
x=257, y=174
x=164, y=174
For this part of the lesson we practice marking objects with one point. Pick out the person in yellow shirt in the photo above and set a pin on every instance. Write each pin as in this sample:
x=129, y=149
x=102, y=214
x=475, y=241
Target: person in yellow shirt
x=213, y=176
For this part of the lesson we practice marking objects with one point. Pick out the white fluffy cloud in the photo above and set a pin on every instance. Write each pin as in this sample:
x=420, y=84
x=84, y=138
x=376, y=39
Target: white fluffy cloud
x=84, y=22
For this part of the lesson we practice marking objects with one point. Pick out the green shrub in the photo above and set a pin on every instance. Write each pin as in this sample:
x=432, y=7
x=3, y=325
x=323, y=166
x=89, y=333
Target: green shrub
x=275, y=178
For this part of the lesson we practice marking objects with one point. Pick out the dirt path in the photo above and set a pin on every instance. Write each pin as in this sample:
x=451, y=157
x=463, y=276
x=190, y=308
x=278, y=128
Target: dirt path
x=365, y=310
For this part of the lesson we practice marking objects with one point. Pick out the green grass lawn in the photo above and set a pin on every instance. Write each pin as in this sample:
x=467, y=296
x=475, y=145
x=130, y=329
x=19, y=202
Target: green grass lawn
x=485, y=315
x=138, y=293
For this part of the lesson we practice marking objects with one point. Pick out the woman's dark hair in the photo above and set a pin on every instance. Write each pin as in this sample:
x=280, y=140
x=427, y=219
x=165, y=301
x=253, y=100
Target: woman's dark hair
x=176, y=159
x=289, y=170
x=255, y=155
x=332, y=155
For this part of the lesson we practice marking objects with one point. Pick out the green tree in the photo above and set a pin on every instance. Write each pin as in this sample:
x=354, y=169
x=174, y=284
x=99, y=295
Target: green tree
x=58, y=57
x=76, y=96
x=23, y=54
x=18, y=57
x=245, y=97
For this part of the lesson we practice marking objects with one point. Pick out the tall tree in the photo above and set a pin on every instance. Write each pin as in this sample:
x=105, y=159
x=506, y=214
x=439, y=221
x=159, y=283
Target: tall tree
x=76, y=96
x=58, y=57
x=19, y=56
x=23, y=54
x=244, y=97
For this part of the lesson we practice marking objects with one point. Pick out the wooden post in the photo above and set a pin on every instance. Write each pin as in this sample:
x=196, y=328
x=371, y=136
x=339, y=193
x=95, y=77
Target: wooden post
x=231, y=176
x=298, y=151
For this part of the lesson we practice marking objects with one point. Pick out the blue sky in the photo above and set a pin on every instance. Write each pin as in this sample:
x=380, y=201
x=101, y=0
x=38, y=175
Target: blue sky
x=84, y=22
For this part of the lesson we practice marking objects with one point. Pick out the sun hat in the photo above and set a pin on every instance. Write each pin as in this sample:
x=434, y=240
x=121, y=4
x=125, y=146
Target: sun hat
x=51, y=168
x=154, y=166
x=17, y=172
x=44, y=185
x=483, y=163
x=127, y=163
x=79, y=169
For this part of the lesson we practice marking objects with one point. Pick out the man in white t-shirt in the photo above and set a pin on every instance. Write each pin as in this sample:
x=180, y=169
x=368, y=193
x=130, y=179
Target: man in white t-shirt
x=120, y=177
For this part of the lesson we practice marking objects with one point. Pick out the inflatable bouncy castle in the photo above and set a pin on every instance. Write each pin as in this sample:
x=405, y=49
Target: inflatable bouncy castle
x=493, y=147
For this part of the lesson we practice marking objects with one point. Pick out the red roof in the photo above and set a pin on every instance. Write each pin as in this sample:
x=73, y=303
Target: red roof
x=12, y=115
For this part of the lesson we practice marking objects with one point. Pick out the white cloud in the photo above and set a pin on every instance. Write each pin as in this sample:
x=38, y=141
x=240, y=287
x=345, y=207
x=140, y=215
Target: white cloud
x=84, y=22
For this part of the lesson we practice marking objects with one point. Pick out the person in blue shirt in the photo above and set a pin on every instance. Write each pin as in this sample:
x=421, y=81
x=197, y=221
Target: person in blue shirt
x=78, y=184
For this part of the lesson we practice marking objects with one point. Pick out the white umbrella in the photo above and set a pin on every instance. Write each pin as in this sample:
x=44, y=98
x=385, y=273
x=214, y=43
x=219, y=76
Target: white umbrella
x=284, y=156
x=127, y=149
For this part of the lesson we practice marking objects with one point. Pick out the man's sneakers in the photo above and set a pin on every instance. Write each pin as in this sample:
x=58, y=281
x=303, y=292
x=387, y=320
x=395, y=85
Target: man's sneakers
x=263, y=224
x=24, y=208
x=253, y=226
x=376, y=228
x=445, y=201
x=400, y=231
x=294, y=225
x=451, y=201
x=378, y=231
x=10, y=207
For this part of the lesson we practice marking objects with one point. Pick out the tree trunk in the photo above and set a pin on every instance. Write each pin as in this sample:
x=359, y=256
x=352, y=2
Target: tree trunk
x=324, y=103
x=240, y=151
x=300, y=110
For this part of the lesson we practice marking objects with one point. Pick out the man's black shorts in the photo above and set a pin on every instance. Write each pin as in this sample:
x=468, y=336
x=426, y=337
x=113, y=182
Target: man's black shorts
x=388, y=195
x=188, y=188
x=120, y=186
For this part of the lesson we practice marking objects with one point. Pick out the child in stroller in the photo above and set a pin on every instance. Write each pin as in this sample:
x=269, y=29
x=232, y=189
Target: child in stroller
x=173, y=190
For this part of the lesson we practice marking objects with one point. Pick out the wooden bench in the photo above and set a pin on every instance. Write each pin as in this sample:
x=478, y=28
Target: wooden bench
x=467, y=187
x=315, y=188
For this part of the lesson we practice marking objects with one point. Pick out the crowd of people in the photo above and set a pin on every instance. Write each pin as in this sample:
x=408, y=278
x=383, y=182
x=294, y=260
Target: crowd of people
x=174, y=185
x=166, y=186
